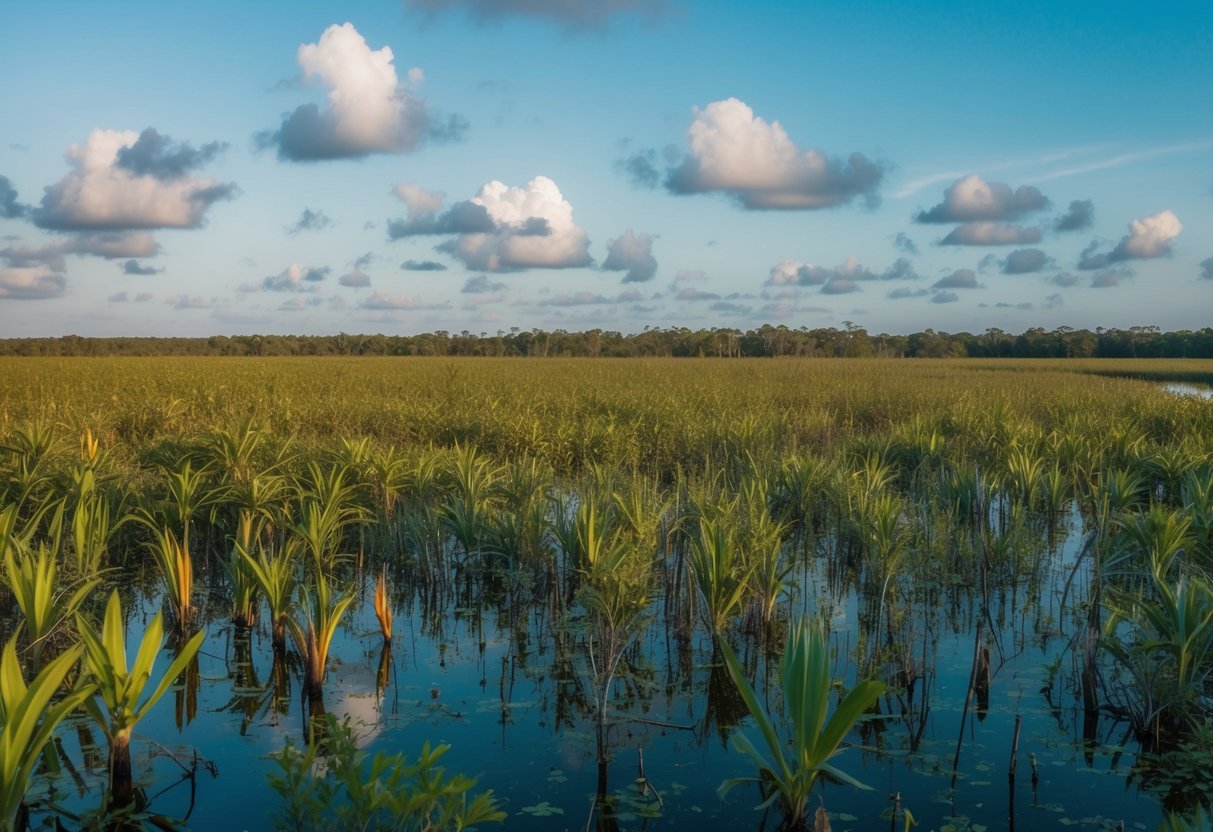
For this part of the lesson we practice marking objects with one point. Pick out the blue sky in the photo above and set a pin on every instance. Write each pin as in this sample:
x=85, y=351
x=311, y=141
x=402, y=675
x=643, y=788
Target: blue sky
x=173, y=169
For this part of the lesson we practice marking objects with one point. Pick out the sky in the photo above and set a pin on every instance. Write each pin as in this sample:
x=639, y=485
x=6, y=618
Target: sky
x=408, y=166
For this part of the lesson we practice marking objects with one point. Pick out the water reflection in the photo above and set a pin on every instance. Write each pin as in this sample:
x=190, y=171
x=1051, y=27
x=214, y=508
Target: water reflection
x=492, y=669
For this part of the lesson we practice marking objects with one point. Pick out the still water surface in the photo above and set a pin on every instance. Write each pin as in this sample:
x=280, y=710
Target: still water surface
x=516, y=710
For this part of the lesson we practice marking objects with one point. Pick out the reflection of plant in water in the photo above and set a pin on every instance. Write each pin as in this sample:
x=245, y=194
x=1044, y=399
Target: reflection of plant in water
x=1183, y=778
x=816, y=733
x=340, y=787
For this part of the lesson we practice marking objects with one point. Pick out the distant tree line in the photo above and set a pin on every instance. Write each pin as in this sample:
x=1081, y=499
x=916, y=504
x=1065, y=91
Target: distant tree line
x=766, y=341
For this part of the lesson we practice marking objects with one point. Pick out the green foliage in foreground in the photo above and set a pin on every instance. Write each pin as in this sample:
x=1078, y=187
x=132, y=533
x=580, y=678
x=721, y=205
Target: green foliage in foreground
x=816, y=733
x=333, y=785
x=29, y=719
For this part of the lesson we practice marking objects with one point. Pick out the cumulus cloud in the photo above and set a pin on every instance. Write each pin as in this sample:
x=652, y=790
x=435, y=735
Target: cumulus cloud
x=959, y=279
x=945, y=297
x=631, y=253
x=972, y=199
x=1065, y=279
x=118, y=297
x=30, y=283
x=109, y=245
x=367, y=110
x=1080, y=215
x=907, y=292
x=310, y=220
x=357, y=278
x=10, y=208
x=572, y=14
x=504, y=228
x=162, y=158
x=755, y=162
x=481, y=285
x=795, y=273
x=1206, y=268
x=152, y=189
x=294, y=278
x=466, y=217
x=1025, y=261
x=991, y=234
x=134, y=267
x=1148, y=238
x=422, y=266
x=902, y=242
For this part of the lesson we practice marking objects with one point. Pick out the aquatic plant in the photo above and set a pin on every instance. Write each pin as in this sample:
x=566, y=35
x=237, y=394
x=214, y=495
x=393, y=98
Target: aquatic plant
x=321, y=611
x=720, y=572
x=44, y=604
x=383, y=608
x=784, y=777
x=277, y=575
x=177, y=570
x=123, y=696
x=28, y=718
x=337, y=786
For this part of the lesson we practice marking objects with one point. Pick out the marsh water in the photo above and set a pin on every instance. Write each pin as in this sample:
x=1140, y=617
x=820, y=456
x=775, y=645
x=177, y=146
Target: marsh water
x=507, y=686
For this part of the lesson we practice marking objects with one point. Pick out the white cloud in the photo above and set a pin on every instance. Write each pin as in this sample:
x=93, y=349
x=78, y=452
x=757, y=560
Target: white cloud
x=738, y=153
x=534, y=229
x=1151, y=237
x=102, y=192
x=1148, y=238
x=30, y=283
x=366, y=109
x=971, y=198
x=795, y=273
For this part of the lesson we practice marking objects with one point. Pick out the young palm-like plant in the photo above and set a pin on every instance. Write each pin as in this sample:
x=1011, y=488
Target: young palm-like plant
x=788, y=777
x=29, y=718
x=466, y=511
x=720, y=571
x=177, y=569
x=383, y=608
x=123, y=695
x=313, y=635
x=276, y=576
x=44, y=604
